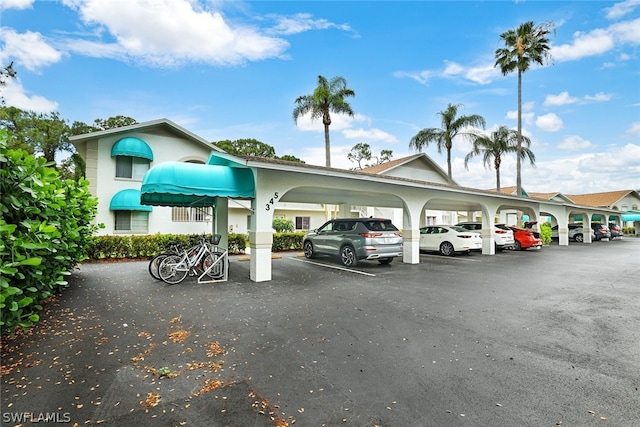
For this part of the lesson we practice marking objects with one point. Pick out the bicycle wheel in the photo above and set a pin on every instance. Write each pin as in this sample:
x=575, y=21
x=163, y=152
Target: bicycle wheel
x=172, y=269
x=154, y=264
x=217, y=272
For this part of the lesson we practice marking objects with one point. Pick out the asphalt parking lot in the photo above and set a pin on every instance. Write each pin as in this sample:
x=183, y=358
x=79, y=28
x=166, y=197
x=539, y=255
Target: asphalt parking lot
x=533, y=338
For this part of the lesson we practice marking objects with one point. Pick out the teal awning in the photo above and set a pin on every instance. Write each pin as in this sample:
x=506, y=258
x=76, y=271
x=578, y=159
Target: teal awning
x=133, y=147
x=191, y=184
x=631, y=216
x=128, y=200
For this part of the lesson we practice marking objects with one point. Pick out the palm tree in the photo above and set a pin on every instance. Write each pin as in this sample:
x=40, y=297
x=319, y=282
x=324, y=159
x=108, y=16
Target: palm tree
x=491, y=148
x=452, y=126
x=523, y=46
x=327, y=98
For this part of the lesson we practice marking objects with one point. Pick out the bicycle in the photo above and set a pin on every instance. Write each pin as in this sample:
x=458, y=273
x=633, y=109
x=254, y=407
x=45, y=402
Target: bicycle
x=175, y=248
x=174, y=268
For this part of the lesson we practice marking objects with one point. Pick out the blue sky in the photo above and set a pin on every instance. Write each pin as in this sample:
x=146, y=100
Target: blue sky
x=232, y=69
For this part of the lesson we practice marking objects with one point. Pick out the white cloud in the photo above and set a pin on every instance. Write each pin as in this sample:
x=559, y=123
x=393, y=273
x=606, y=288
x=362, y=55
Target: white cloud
x=16, y=96
x=28, y=49
x=598, y=97
x=527, y=114
x=16, y=4
x=189, y=33
x=634, y=129
x=482, y=74
x=598, y=41
x=621, y=9
x=301, y=22
x=549, y=122
x=575, y=143
x=562, y=98
x=372, y=134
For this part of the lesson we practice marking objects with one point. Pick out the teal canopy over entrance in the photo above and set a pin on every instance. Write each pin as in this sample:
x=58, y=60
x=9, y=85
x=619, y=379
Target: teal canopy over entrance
x=191, y=184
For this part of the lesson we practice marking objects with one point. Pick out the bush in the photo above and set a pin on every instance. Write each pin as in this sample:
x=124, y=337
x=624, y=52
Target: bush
x=282, y=225
x=545, y=233
x=46, y=229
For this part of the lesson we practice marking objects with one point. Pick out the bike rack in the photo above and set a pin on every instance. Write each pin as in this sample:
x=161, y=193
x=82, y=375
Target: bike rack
x=223, y=258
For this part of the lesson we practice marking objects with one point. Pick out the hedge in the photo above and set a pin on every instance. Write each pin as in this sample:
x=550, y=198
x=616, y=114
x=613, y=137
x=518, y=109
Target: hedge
x=45, y=231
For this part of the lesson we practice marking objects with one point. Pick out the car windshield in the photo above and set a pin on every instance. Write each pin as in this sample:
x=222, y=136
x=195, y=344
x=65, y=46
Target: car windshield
x=380, y=225
x=459, y=229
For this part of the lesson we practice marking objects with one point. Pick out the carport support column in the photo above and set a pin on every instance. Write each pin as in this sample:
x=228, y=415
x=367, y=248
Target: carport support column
x=261, y=236
x=221, y=221
x=344, y=211
x=411, y=246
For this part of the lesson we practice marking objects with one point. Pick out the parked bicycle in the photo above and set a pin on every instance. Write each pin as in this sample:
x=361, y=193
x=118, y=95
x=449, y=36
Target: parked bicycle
x=201, y=260
x=175, y=248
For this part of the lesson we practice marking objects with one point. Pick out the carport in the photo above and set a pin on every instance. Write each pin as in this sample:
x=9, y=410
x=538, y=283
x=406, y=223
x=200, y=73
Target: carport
x=268, y=181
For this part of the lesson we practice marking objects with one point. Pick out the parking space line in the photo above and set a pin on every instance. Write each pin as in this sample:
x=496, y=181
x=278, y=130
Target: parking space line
x=334, y=267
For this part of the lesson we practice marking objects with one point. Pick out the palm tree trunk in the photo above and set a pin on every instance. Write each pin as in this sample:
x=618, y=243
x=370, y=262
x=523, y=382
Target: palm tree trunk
x=449, y=165
x=327, y=146
x=519, y=149
x=498, y=179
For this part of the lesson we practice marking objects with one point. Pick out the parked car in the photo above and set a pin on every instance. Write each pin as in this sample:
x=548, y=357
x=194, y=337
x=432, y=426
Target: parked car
x=449, y=239
x=616, y=230
x=525, y=239
x=576, y=232
x=503, y=238
x=601, y=230
x=354, y=239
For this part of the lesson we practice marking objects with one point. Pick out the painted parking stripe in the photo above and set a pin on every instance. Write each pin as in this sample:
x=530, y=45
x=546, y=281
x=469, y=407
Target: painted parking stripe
x=334, y=267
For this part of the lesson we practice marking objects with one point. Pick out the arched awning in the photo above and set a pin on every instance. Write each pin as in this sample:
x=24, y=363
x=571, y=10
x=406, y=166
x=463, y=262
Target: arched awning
x=128, y=200
x=133, y=147
x=631, y=216
x=191, y=184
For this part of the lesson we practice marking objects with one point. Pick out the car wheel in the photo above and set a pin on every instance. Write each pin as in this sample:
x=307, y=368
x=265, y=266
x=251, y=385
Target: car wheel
x=308, y=250
x=447, y=249
x=578, y=238
x=499, y=248
x=517, y=246
x=348, y=256
x=385, y=261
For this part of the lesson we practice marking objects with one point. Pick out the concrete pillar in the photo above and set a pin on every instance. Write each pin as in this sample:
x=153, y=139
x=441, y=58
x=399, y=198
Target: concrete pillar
x=411, y=246
x=221, y=221
x=261, y=236
x=344, y=211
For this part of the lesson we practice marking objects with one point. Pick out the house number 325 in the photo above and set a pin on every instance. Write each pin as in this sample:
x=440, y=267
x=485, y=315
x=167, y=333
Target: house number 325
x=272, y=201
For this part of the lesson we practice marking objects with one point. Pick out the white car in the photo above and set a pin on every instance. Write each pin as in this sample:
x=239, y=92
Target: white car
x=502, y=234
x=449, y=239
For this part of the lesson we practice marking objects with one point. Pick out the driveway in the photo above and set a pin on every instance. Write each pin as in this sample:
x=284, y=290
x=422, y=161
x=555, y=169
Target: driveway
x=536, y=338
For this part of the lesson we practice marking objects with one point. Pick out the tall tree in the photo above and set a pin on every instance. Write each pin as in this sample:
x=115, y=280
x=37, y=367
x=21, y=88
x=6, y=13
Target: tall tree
x=452, y=126
x=493, y=147
x=523, y=46
x=7, y=73
x=247, y=147
x=80, y=128
x=328, y=97
x=362, y=152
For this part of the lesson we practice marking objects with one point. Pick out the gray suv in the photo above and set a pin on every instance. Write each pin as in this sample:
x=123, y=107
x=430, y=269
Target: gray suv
x=354, y=239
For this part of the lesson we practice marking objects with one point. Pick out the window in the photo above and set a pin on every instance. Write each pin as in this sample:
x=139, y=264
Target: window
x=302, y=222
x=131, y=167
x=431, y=220
x=132, y=221
x=186, y=214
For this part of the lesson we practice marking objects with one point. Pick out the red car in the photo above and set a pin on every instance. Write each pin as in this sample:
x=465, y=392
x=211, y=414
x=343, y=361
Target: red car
x=525, y=239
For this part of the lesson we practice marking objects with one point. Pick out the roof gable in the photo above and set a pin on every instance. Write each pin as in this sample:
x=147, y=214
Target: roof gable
x=418, y=167
x=606, y=199
x=160, y=125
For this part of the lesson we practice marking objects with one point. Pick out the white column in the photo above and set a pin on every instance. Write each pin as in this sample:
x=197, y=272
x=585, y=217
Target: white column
x=261, y=236
x=221, y=221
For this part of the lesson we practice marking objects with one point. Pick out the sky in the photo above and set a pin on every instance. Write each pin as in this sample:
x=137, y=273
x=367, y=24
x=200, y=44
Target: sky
x=233, y=69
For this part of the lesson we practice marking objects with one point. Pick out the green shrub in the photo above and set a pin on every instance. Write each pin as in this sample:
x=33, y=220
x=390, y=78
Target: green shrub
x=46, y=229
x=282, y=225
x=287, y=241
x=545, y=233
